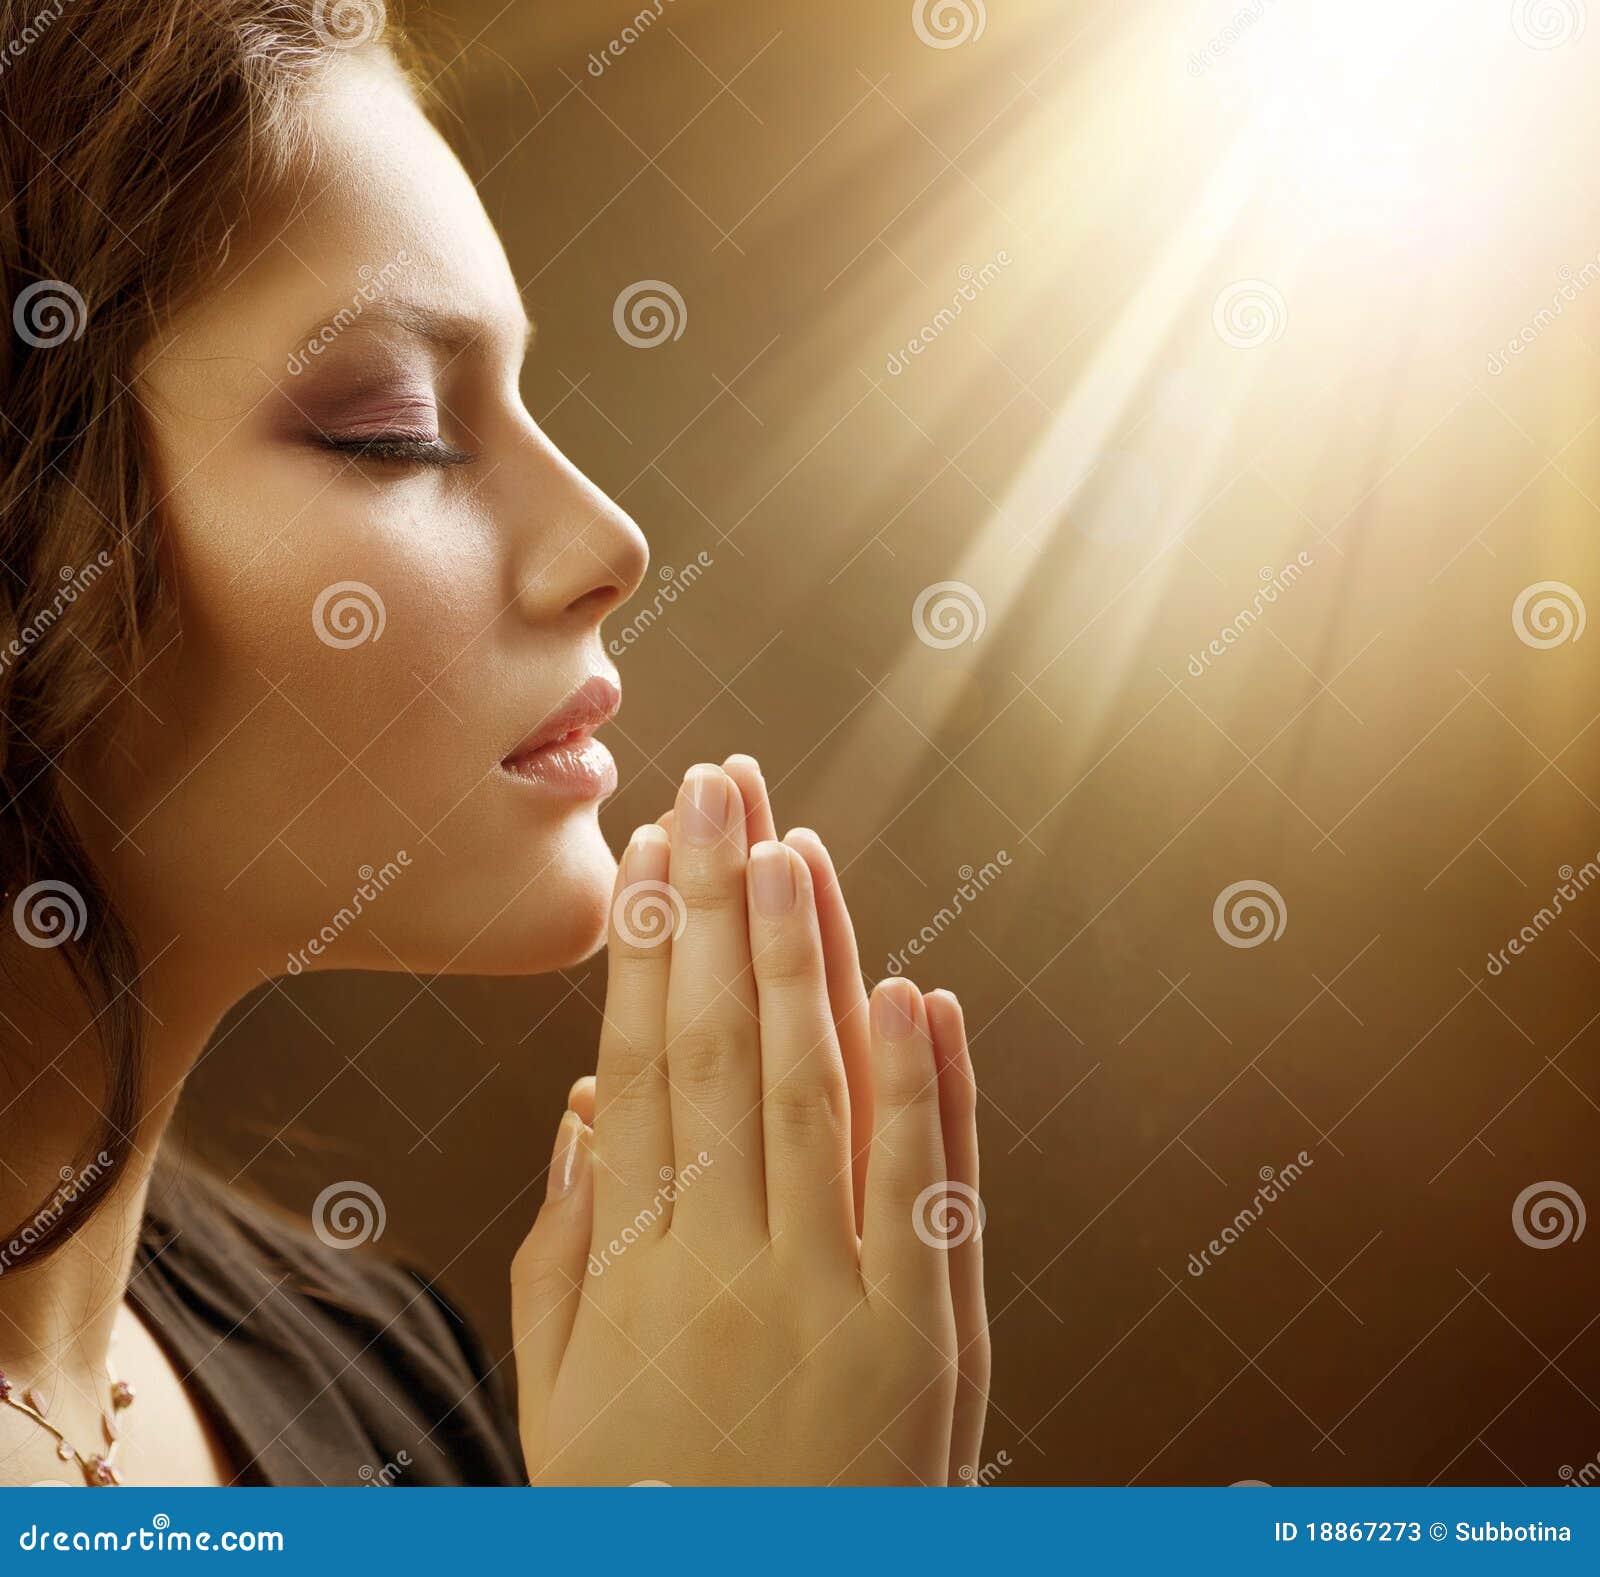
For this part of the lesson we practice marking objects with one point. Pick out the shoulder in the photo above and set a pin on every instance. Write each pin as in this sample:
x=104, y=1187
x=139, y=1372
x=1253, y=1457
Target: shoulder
x=246, y=1237
x=373, y=1355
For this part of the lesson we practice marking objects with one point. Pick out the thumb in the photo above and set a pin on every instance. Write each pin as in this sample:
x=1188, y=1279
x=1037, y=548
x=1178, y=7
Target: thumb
x=547, y=1281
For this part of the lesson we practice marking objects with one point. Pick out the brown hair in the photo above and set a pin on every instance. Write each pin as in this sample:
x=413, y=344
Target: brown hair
x=136, y=137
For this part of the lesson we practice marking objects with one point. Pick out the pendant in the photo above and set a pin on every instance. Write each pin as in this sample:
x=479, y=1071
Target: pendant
x=35, y=1399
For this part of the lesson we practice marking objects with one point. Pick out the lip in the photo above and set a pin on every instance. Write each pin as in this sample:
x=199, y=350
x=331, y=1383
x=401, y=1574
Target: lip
x=562, y=755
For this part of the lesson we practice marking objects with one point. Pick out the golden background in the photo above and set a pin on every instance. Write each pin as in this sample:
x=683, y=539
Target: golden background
x=1258, y=269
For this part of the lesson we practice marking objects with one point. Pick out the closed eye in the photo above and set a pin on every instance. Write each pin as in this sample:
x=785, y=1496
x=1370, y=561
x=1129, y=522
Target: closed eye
x=399, y=449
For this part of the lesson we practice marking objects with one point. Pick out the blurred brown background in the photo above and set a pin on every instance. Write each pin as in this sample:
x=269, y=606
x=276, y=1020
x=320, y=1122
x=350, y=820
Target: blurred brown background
x=1236, y=284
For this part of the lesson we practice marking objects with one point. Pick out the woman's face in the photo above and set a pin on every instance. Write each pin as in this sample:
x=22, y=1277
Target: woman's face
x=323, y=766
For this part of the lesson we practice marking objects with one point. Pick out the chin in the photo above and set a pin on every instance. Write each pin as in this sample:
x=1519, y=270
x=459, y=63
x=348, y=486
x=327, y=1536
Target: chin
x=547, y=911
x=495, y=900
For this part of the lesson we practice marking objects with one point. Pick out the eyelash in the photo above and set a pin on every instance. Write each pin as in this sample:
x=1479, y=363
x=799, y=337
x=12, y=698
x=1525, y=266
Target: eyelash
x=399, y=448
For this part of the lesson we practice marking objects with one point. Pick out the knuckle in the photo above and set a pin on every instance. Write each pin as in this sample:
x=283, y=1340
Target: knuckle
x=908, y=1084
x=709, y=887
x=625, y=1070
x=700, y=1055
x=900, y=1189
x=626, y=1109
x=637, y=957
x=791, y=963
x=537, y=1274
x=967, y=1075
x=910, y=1164
x=808, y=1103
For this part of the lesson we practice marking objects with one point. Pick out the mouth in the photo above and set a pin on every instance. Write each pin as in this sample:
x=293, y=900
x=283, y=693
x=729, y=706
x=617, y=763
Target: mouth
x=562, y=756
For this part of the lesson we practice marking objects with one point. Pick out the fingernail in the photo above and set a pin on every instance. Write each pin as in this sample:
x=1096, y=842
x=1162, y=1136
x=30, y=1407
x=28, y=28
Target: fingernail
x=772, y=879
x=562, y=1164
x=648, y=853
x=893, y=1010
x=705, y=805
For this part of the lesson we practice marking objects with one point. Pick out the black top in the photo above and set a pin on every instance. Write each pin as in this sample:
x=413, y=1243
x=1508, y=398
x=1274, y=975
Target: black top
x=318, y=1365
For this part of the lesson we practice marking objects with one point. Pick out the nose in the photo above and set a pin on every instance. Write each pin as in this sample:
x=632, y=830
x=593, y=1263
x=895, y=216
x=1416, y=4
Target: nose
x=575, y=554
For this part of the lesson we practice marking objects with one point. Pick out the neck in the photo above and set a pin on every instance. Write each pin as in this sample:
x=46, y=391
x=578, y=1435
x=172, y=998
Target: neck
x=58, y=1314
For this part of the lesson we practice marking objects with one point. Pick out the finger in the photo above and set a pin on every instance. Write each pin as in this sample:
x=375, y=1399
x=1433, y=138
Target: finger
x=713, y=1033
x=580, y=1098
x=901, y=1259
x=958, y=1117
x=758, y=823
x=633, y=1116
x=664, y=821
x=847, y=997
x=805, y=1104
x=547, y=1281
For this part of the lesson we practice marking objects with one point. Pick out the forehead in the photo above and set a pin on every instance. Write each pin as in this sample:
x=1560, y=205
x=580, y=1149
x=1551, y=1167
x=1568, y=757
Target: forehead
x=381, y=213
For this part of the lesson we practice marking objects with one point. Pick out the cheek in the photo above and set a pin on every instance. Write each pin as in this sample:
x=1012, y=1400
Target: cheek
x=332, y=651
x=340, y=699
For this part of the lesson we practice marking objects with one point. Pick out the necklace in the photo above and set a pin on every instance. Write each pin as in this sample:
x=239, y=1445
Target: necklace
x=98, y=1468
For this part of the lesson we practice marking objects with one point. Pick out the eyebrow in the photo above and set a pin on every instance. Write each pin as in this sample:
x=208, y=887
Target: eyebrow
x=454, y=332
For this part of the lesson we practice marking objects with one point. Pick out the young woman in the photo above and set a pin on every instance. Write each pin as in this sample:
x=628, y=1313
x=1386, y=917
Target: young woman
x=295, y=591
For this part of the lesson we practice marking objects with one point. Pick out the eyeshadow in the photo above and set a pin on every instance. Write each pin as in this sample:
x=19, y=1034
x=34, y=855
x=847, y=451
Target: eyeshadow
x=381, y=411
x=359, y=390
